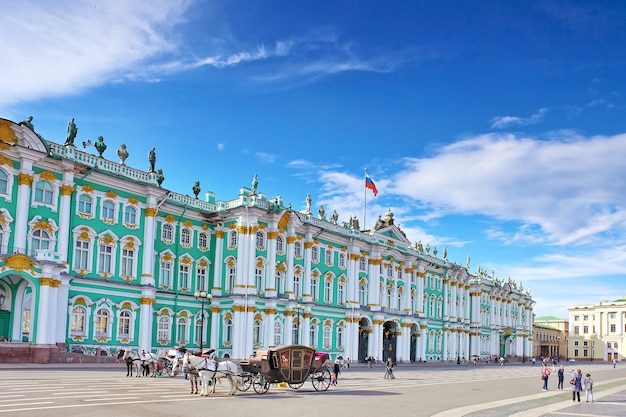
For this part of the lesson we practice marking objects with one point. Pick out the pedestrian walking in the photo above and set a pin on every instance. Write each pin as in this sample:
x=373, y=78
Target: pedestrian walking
x=561, y=375
x=576, y=382
x=614, y=362
x=588, y=388
x=333, y=379
x=389, y=369
x=336, y=370
x=545, y=373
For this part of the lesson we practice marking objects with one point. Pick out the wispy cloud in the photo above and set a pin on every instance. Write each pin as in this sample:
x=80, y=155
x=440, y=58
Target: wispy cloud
x=503, y=122
x=53, y=49
x=265, y=157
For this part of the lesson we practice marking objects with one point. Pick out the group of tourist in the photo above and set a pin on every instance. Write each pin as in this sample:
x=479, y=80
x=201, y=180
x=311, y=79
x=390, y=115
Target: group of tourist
x=576, y=381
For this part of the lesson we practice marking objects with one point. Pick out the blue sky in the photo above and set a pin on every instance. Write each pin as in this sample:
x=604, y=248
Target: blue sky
x=495, y=129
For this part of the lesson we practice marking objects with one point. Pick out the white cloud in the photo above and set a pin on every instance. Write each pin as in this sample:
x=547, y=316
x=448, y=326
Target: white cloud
x=265, y=157
x=572, y=188
x=502, y=122
x=58, y=48
x=220, y=146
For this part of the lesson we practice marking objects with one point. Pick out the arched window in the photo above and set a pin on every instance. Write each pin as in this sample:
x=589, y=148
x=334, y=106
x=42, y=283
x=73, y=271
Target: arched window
x=163, y=332
x=85, y=204
x=432, y=306
x=127, y=268
x=278, y=333
x=297, y=249
x=257, y=332
x=280, y=280
x=260, y=240
x=185, y=237
x=181, y=329
x=41, y=240
x=203, y=241
x=362, y=263
x=123, y=326
x=280, y=244
x=102, y=323
x=77, y=325
x=314, y=288
x=165, y=273
x=340, y=338
x=81, y=255
x=363, y=294
x=389, y=271
x=327, y=337
x=315, y=254
x=166, y=232
x=232, y=239
x=108, y=210
x=328, y=291
x=328, y=256
x=258, y=280
x=228, y=331
x=313, y=335
x=341, y=293
x=231, y=274
x=297, y=288
x=342, y=260
x=130, y=215
x=4, y=182
x=44, y=192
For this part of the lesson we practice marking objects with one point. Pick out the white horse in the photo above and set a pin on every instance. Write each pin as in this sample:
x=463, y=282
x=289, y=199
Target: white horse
x=137, y=360
x=210, y=369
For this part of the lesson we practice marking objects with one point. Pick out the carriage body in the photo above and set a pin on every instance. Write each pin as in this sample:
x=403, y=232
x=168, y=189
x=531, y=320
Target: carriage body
x=291, y=364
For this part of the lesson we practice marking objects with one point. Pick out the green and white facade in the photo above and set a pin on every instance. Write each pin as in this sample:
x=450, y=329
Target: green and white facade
x=95, y=254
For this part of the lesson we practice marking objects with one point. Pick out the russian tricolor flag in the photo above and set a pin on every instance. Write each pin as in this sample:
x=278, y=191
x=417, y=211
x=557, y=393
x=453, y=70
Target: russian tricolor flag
x=370, y=184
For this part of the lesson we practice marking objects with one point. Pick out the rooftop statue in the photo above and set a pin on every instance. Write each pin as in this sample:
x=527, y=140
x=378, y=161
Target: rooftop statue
x=100, y=146
x=122, y=153
x=255, y=184
x=196, y=188
x=309, y=201
x=445, y=253
x=72, y=130
x=160, y=177
x=322, y=212
x=28, y=123
x=334, y=217
x=152, y=159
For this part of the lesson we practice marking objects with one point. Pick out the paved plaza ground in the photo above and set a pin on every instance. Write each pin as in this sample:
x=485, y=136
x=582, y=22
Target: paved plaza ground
x=418, y=390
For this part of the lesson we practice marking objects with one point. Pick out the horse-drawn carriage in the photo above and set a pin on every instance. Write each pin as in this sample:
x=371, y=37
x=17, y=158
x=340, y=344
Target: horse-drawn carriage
x=291, y=364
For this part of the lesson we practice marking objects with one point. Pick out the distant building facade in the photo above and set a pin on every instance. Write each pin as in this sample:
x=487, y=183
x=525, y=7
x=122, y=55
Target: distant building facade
x=597, y=331
x=550, y=337
x=95, y=254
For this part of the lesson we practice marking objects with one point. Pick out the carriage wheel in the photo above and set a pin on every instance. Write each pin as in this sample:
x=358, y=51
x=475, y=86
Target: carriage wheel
x=260, y=384
x=167, y=368
x=295, y=385
x=246, y=382
x=321, y=379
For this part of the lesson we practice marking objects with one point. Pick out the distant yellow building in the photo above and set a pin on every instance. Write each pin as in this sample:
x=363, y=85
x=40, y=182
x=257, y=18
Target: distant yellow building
x=550, y=337
x=596, y=332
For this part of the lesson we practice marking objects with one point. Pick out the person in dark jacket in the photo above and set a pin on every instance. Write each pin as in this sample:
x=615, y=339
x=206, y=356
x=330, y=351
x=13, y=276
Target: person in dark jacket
x=336, y=369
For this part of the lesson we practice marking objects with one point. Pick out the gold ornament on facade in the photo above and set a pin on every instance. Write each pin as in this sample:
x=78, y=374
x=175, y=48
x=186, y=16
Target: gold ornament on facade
x=215, y=309
x=187, y=223
x=47, y=175
x=19, y=262
x=25, y=179
x=203, y=263
x=270, y=311
x=4, y=160
x=186, y=260
x=150, y=301
x=3, y=220
x=167, y=256
x=111, y=194
x=107, y=239
x=219, y=234
x=169, y=219
x=67, y=190
x=150, y=211
x=87, y=188
x=7, y=134
x=133, y=201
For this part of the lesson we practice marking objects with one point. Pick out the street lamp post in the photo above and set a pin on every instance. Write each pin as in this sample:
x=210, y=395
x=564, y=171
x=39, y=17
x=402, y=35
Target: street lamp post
x=203, y=297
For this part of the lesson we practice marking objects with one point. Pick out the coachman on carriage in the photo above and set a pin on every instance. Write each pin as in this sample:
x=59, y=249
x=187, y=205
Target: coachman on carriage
x=292, y=364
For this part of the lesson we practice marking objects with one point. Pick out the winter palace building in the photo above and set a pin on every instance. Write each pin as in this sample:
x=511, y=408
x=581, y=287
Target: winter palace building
x=95, y=254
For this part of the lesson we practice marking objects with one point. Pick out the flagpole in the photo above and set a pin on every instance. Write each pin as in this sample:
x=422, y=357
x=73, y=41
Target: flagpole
x=364, y=197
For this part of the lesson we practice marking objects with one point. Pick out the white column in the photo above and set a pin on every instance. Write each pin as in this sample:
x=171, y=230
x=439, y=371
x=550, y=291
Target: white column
x=25, y=181
x=268, y=334
x=44, y=311
x=374, y=281
x=306, y=284
x=289, y=259
x=62, y=309
x=64, y=216
x=270, y=272
x=219, y=263
x=216, y=325
x=149, y=231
